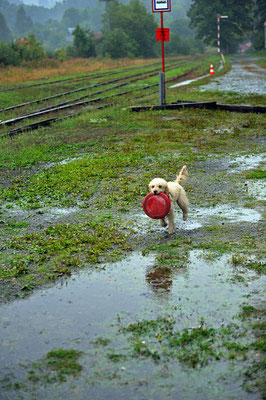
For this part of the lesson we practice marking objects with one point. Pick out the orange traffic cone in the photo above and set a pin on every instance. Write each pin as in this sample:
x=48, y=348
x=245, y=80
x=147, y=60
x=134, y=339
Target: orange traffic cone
x=211, y=69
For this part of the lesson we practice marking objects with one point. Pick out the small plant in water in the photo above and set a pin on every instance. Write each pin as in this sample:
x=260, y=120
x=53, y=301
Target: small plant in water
x=56, y=366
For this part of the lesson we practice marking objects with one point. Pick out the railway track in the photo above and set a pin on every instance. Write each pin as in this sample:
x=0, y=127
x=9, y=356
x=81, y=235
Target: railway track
x=71, y=107
x=72, y=80
x=62, y=94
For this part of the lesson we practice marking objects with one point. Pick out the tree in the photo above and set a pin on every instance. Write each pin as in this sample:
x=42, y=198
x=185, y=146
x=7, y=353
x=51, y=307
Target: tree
x=83, y=45
x=119, y=45
x=8, y=54
x=5, y=33
x=259, y=19
x=23, y=22
x=203, y=15
x=71, y=17
x=131, y=31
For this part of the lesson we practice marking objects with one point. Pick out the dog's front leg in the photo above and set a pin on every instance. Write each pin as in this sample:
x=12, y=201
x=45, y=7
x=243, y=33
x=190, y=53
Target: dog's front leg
x=171, y=220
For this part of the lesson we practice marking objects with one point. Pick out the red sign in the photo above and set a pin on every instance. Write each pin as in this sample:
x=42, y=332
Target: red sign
x=162, y=34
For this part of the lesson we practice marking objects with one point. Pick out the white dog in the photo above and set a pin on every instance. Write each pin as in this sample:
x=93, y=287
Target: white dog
x=176, y=193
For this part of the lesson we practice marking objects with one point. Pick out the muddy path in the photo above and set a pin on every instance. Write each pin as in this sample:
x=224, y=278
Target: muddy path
x=148, y=316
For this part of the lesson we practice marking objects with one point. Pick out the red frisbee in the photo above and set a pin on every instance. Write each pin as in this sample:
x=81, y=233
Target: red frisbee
x=156, y=206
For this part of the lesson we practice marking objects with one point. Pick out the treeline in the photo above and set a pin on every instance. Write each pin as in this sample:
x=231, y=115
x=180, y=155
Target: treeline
x=244, y=22
x=128, y=30
x=50, y=26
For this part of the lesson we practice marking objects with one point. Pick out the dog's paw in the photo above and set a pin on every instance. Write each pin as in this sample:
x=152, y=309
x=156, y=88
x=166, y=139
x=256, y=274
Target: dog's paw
x=184, y=217
x=171, y=231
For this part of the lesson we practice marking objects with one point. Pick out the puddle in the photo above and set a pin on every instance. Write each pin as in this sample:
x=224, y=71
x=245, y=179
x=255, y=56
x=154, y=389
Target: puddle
x=63, y=162
x=246, y=162
x=143, y=224
x=184, y=83
x=240, y=79
x=75, y=312
x=46, y=214
x=226, y=213
x=62, y=211
x=257, y=189
x=233, y=164
x=199, y=217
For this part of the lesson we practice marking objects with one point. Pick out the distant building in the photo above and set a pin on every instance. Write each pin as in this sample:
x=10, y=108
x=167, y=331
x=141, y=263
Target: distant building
x=244, y=47
x=19, y=41
x=97, y=36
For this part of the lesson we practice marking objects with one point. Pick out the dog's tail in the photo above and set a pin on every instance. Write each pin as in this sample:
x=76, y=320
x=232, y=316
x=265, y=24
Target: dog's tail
x=182, y=175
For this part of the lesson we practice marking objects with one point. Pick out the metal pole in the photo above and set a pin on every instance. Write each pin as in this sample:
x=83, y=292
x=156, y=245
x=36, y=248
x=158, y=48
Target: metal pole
x=162, y=42
x=162, y=74
x=219, y=32
x=218, y=35
x=161, y=89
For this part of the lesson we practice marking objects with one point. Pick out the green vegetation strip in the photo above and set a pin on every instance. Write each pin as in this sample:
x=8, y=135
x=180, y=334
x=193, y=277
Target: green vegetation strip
x=42, y=256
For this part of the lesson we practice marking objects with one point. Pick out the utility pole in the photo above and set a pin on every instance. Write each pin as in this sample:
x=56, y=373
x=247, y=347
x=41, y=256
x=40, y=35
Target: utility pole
x=219, y=32
x=219, y=36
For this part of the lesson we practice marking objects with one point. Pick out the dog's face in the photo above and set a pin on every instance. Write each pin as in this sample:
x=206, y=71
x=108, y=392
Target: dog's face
x=158, y=185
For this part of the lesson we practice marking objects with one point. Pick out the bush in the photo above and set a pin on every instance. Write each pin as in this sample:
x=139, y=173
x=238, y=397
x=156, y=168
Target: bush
x=61, y=55
x=8, y=54
x=20, y=51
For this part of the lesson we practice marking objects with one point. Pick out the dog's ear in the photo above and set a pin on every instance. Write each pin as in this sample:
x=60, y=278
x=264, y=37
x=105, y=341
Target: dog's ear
x=167, y=192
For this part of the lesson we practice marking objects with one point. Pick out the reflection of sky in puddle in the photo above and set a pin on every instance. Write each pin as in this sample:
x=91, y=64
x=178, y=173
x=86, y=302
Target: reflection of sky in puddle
x=199, y=217
x=246, y=162
x=86, y=306
x=257, y=189
x=47, y=214
x=63, y=162
x=228, y=213
x=184, y=83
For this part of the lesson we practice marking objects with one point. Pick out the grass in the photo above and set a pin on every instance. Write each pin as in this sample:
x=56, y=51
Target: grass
x=161, y=341
x=42, y=256
x=56, y=366
x=257, y=174
x=53, y=69
x=98, y=165
x=103, y=160
x=251, y=264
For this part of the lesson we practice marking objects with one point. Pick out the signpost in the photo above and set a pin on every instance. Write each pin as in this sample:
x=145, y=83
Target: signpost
x=219, y=32
x=162, y=35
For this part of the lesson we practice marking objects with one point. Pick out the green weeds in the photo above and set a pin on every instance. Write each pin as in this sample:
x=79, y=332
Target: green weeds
x=56, y=366
x=257, y=174
x=160, y=340
x=249, y=263
x=42, y=256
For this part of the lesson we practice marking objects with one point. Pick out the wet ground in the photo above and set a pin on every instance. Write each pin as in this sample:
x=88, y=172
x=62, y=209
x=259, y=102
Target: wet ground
x=245, y=77
x=93, y=307
x=201, y=290
x=76, y=312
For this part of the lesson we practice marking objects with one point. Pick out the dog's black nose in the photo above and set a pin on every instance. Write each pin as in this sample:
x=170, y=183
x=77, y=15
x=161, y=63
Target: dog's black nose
x=155, y=192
